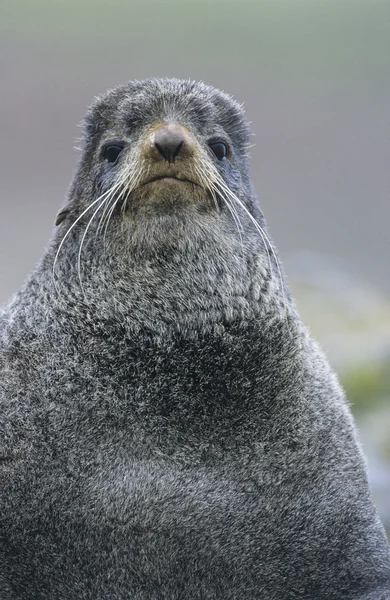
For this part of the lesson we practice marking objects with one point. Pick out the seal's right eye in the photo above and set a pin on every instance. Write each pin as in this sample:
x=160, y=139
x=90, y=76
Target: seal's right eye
x=112, y=151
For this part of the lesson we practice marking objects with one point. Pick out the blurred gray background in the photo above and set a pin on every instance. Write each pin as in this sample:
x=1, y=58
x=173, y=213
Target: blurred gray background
x=315, y=79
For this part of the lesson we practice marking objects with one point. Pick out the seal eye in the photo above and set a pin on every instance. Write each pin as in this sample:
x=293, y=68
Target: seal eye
x=219, y=149
x=111, y=152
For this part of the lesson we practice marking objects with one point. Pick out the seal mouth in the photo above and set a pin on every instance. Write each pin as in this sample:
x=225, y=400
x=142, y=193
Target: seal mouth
x=170, y=179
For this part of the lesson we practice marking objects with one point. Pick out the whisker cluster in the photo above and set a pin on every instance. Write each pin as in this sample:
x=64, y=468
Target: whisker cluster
x=128, y=180
x=212, y=180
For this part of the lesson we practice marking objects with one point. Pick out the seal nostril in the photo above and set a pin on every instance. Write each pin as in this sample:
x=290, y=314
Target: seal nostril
x=169, y=143
x=178, y=149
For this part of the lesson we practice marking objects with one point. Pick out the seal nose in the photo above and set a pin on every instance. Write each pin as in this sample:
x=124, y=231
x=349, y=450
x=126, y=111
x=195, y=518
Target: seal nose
x=169, y=142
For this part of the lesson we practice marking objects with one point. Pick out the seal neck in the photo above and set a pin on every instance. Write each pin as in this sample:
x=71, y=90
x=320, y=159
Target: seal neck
x=196, y=281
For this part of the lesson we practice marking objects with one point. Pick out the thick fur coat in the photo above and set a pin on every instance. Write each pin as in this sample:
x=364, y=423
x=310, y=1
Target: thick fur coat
x=168, y=429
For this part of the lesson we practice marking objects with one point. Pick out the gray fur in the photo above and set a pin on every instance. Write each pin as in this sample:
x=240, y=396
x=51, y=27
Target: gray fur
x=168, y=429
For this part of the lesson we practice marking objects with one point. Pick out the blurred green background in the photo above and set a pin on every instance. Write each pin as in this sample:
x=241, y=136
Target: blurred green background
x=315, y=79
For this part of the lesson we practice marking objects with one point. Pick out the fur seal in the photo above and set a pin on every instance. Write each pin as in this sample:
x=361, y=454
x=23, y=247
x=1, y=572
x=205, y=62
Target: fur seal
x=168, y=428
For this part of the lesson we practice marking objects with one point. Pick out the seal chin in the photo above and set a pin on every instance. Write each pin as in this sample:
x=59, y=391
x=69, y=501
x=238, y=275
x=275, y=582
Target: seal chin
x=168, y=180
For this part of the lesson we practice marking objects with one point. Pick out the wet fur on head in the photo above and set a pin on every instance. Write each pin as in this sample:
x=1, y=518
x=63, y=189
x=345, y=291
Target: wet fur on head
x=168, y=428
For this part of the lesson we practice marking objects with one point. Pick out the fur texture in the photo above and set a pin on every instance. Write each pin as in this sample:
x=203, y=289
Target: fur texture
x=168, y=428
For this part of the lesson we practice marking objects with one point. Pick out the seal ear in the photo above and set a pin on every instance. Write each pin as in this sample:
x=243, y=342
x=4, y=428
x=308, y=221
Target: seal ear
x=62, y=215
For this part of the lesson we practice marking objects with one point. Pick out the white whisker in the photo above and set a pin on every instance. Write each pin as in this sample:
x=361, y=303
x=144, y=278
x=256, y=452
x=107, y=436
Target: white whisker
x=210, y=185
x=81, y=245
x=128, y=182
x=99, y=199
x=215, y=179
x=111, y=196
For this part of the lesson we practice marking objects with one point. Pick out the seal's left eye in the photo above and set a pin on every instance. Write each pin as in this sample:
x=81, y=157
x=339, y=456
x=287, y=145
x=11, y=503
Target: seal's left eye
x=112, y=151
x=219, y=149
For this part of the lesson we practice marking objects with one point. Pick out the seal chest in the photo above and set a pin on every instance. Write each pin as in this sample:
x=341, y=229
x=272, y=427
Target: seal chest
x=169, y=430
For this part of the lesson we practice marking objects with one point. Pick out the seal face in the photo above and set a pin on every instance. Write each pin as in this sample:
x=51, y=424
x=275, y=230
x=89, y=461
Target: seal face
x=160, y=146
x=168, y=428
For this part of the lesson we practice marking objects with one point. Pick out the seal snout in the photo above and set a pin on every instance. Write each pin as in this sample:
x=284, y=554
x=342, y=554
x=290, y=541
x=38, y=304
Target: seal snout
x=169, y=142
x=171, y=164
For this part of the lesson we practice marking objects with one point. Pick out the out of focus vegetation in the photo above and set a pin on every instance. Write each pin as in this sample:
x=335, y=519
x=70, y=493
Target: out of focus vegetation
x=351, y=320
x=367, y=385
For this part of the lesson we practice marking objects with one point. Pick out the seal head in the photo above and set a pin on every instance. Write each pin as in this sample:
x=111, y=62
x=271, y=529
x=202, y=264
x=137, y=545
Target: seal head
x=163, y=180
